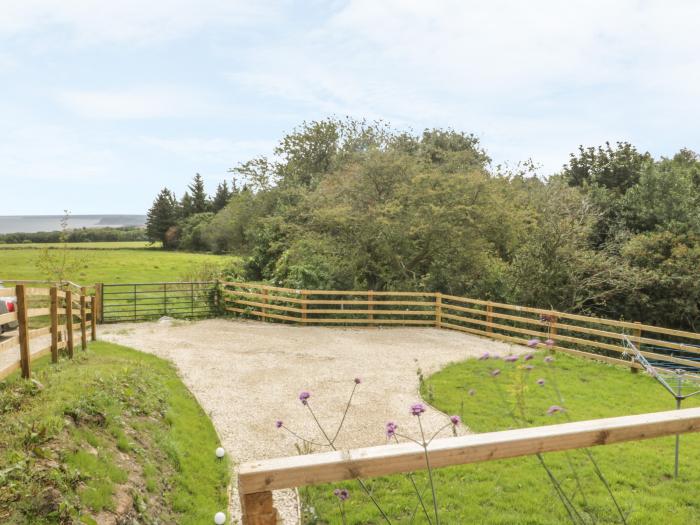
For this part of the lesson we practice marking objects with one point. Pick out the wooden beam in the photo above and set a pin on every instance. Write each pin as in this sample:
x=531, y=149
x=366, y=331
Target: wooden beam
x=93, y=318
x=83, y=319
x=327, y=467
x=69, y=323
x=257, y=509
x=23, y=322
x=54, y=324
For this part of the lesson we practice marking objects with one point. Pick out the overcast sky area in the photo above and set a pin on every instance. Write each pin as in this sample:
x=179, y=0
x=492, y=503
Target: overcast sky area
x=103, y=103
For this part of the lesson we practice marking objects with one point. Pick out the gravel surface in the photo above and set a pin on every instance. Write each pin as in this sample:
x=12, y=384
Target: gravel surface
x=248, y=374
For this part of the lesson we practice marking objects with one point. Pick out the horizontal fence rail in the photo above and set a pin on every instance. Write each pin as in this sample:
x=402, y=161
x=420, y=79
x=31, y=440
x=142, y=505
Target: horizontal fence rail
x=60, y=311
x=149, y=301
x=582, y=335
x=257, y=479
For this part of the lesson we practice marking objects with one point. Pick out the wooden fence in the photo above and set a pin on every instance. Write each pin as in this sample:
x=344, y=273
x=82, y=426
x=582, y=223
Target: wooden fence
x=61, y=312
x=582, y=335
x=257, y=479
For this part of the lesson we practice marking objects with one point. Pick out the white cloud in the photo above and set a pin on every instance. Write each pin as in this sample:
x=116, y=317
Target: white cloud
x=137, y=103
x=53, y=154
x=214, y=150
x=507, y=70
x=125, y=21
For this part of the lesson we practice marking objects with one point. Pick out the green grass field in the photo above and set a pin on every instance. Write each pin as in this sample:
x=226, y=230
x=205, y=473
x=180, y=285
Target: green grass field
x=112, y=434
x=83, y=245
x=517, y=491
x=120, y=263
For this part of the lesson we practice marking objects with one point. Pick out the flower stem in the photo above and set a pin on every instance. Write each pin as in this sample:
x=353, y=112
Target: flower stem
x=345, y=413
x=359, y=481
x=430, y=472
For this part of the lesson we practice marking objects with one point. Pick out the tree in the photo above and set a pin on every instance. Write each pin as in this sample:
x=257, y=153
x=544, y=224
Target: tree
x=161, y=217
x=200, y=202
x=221, y=198
x=186, y=207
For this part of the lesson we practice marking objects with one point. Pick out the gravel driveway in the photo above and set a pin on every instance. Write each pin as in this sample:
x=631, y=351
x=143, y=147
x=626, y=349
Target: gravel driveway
x=247, y=374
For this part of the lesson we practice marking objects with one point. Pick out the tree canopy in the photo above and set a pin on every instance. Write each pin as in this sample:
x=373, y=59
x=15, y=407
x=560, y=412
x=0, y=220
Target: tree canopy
x=356, y=204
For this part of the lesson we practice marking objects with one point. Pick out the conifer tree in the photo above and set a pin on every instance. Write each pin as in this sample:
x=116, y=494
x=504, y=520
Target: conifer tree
x=161, y=216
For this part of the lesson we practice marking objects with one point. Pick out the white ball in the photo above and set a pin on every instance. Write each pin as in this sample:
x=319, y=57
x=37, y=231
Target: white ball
x=220, y=518
x=220, y=452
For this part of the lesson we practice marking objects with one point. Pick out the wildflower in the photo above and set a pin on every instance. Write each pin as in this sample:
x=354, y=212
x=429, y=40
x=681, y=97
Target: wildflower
x=532, y=343
x=278, y=423
x=304, y=397
x=484, y=356
x=549, y=343
x=417, y=409
x=510, y=358
x=342, y=494
x=540, y=381
x=471, y=392
x=391, y=429
x=358, y=380
x=548, y=359
x=529, y=356
x=554, y=409
x=495, y=372
x=455, y=420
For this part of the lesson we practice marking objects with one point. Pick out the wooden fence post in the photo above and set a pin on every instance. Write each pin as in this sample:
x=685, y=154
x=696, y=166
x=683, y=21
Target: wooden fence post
x=258, y=509
x=93, y=318
x=304, y=307
x=23, y=322
x=97, y=313
x=69, y=323
x=83, y=319
x=438, y=309
x=54, y=324
x=370, y=303
x=489, y=317
x=265, y=300
x=553, y=328
x=638, y=342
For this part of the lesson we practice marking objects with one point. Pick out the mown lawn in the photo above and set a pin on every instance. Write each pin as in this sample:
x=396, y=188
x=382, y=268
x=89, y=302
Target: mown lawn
x=518, y=491
x=111, y=436
x=117, y=265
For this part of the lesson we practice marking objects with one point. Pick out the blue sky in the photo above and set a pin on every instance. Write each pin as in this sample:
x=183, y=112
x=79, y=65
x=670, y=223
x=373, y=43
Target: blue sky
x=103, y=103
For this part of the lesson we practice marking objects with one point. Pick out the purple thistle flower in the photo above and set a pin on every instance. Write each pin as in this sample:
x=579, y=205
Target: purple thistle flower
x=495, y=372
x=391, y=429
x=540, y=381
x=549, y=343
x=358, y=380
x=471, y=392
x=342, y=494
x=529, y=356
x=484, y=356
x=278, y=423
x=455, y=420
x=417, y=409
x=532, y=343
x=548, y=359
x=554, y=409
x=510, y=358
x=304, y=397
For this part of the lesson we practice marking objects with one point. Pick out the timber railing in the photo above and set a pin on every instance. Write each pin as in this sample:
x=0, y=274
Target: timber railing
x=257, y=479
x=45, y=312
x=586, y=336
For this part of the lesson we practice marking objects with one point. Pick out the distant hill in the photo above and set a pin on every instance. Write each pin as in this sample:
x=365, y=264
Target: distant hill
x=47, y=223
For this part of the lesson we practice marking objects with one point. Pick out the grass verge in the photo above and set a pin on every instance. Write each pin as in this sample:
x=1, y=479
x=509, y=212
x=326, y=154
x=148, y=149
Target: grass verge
x=112, y=436
x=517, y=491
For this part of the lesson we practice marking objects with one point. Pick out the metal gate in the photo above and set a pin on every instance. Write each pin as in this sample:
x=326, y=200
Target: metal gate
x=148, y=301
